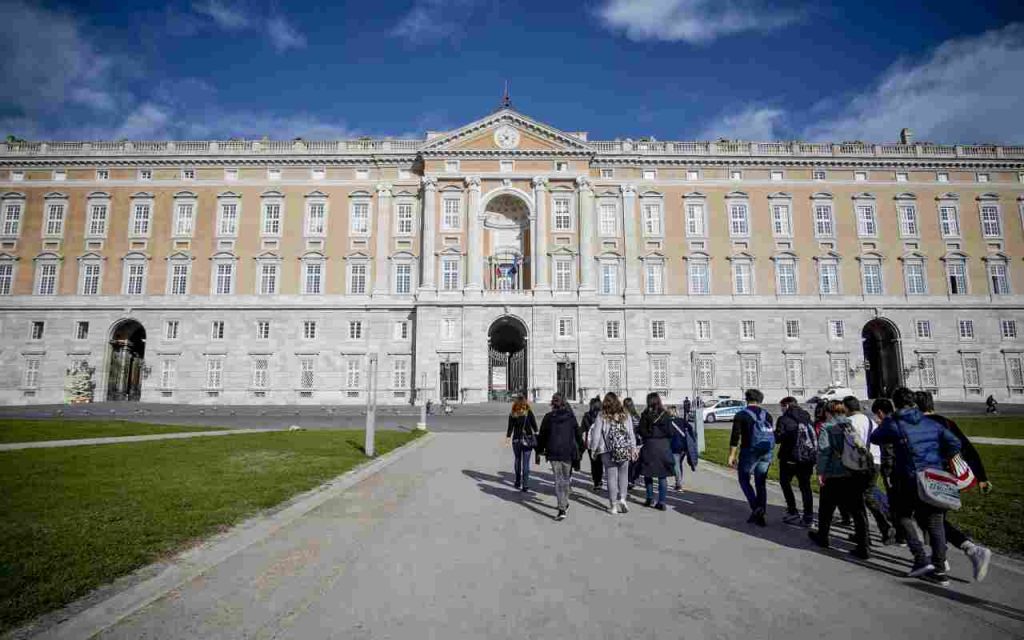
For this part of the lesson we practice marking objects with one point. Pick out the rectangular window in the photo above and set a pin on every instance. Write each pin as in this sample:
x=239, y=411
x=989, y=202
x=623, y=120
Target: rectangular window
x=401, y=331
x=860, y=176
x=179, y=278
x=214, y=373
x=901, y=176
x=360, y=221
x=55, y=219
x=786, y=273
x=654, y=281
x=739, y=223
x=188, y=174
x=273, y=173
x=31, y=377
x=693, y=175
x=749, y=372
x=403, y=278
x=836, y=329
x=923, y=329
x=448, y=328
x=972, y=372
x=307, y=373
x=703, y=329
x=168, y=374
x=657, y=329
x=268, y=279
x=562, y=215
x=652, y=219
x=353, y=374
x=506, y=166
x=840, y=372
x=6, y=278
x=228, y=223
x=695, y=220
x=991, y=225
x=263, y=330
x=824, y=226
x=609, y=278
x=999, y=277
x=608, y=219
x=90, y=278
x=747, y=330
x=260, y=373
x=217, y=330
x=362, y=174
x=145, y=174
x=649, y=174
x=271, y=219
x=103, y=174
x=357, y=279
x=312, y=281
x=908, y=221
x=956, y=272
x=949, y=222
x=230, y=174
x=792, y=329
x=1014, y=371
x=224, y=278
x=867, y=225
x=982, y=177
x=451, y=218
x=610, y=173
x=97, y=227
x=1008, y=329
x=613, y=373
x=450, y=280
x=36, y=330
x=698, y=275
x=966, y=329
x=451, y=166
x=928, y=374
x=780, y=220
x=742, y=278
x=355, y=330
x=404, y=219
x=135, y=279
x=565, y=328
x=872, y=274
x=12, y=219
x=612, y=329
x=140, y=219
x=817, y=174
x=316, y=219
x=171, y=329
x=399, y=374
x=828, y=278
x=563, y=275
x=705, y=372
x=46, y=278
x=794, y=373
x=916, y=282
x=659, y=373
x=735, y=175
x=309, y=330
x=184, y=219
x=775, y=176
x=81, y=330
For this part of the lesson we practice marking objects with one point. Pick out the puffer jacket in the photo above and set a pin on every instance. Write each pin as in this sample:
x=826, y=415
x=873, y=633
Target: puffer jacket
x=560, y=439
x=918, y=442
x=831, y=441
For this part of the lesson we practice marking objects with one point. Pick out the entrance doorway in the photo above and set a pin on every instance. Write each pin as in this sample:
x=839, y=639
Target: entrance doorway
x=450, y=381
x=127, y=357
x=565, y=376
x=506, y=370
x=883, y=357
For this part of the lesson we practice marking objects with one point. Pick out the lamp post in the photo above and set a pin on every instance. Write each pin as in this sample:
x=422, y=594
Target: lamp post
x=371, y=407
x=422, y=424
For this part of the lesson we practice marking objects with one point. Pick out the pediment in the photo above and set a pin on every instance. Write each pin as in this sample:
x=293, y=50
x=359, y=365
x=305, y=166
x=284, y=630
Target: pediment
x=530, y=135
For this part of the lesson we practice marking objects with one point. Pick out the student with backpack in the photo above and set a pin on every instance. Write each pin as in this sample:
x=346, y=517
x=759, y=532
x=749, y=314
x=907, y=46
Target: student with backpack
x=612, y=439
x=656, y=453
x=864, y=425
x=750, y=452
x=798, y=453
x=844, y=468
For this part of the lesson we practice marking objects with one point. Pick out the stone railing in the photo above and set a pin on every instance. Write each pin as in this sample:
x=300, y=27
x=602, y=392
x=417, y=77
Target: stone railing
x=208, y=147
x=819, y=149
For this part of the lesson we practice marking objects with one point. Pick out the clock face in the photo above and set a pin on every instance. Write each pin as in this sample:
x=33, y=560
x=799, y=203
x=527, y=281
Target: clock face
x=506, y=137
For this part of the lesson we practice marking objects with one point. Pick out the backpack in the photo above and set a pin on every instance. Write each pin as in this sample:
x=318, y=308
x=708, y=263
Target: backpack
x=806, y=447
x=617, y=442
x=762, y=436
x=855, y=456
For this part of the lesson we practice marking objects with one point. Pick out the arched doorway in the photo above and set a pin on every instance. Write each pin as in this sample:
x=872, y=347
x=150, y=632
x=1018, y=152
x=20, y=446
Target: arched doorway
x=127, y=357
x=883, y=357
x=507, y=242
x=506, y=371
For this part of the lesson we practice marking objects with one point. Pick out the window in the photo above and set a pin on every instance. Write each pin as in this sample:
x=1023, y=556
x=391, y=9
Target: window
x=450, y=278
x=89, y=285
x=608, y=219
x=657, y=329
x=81, y=330
x=451, y=218
x=999, y=276
x=705, y=366
x=168, y=374
x=695, y=220
x=908, y=220
x=818, y=174
x=867, y=224
x=693, y=174
x=448, y=328
x=506, y=166
x=565, y=328
x=735, y=175
x=742, y=278
x=399, y=374
x=404, y=219
x=96, y=226
x=1014, y=371
x=871, y=273
x=103, y=174
x=612, y=329
x=562, y=217
x=36, y=330
x=362, y=174
x=739, y=222
x=836, y=329
x=652, y=219
x=360, y=221
x=1008, y=329
x=263, y=330
x=860, y=176
x=956, y=273
x=972, y=372
x=224, y=278
x=451, y=166
x=785, y=275
x=318, y=173
x=214, y=373
x=54, y=219
x=824, y=224
x=6, y=277
x=828, y=278
x=781, y=221
x=654, y=281
x=307, y=373
x=700, y=281
x=747, y=330
x=355, y=329
x=775, y=176
x=991, y=224
x=309, y=330
x=982, y=177
x=145, y=174
x=188, y=174
x=901, y=176
x=178, y=274
x=659, y=373
x=563, y=275
x=561, y=167
x=217, y=330
x=268, y=279
x=966, y=329
x=949, y=221
x=227, y=223
x=795, y=373
x=271, y=219
x=928, y=375
x=230, y=174
x=12, y=218
x=184, y=219
x=649, y=174
x=31, y=378
x=610, y=173
x=260, y=372
x=141, y=212
x=357, y=278
x=792, y=329
x=316, y=218
x=273, y=173
x=171, y=329
x=312, y=278
x=401, y=330
x=46, y=278
x=749, y=372
x=134, y=277
x=609, y=278
x=353, y=373
x=917, y=283
x=703, y=329
x=613, y=374
x=403, y=278
x=840, y=369
x=923, y=329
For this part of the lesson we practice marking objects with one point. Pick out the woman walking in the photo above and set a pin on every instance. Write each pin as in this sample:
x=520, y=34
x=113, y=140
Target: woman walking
x=522, y=436
x=561, y=442
x=612, y=439
x=634, y=417
x=585, y=424
x=656, y=453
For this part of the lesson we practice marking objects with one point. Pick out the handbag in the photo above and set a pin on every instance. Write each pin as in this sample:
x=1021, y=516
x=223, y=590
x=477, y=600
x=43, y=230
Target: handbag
x=935, y=487
x=962, y=472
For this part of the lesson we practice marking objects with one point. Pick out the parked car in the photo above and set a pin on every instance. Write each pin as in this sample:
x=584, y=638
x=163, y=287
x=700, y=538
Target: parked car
x=722, y=410
x=831, y=393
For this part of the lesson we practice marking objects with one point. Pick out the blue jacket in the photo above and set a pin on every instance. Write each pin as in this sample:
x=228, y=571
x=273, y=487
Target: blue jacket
x=932, y=444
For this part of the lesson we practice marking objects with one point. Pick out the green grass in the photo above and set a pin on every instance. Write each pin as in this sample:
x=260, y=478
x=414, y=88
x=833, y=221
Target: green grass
x=993, y=427
x=58, y=429
x=996, y=520
x=75, y=518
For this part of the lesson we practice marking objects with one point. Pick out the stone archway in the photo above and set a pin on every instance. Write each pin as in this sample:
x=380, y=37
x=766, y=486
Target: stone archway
x=507, y=243
x=127, y=358
x=507, y=359
x=883, y=357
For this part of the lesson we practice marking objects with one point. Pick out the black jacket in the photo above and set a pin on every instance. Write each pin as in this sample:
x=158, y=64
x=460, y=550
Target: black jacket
x=786, y=429
x=967, y=450
x=656, y=453
x=516, y=424
x=560, y=438
x=742, y=427
x=586, y=422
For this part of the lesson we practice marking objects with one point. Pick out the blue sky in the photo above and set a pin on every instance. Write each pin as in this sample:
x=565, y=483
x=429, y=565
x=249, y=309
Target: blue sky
x=673, y=69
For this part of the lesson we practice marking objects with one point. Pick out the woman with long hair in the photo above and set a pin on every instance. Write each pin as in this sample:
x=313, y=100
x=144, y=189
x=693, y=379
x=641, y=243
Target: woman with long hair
x=521, y=435
x=585, y=424
x=612, y=440
x=634, y=417
x=656, y=453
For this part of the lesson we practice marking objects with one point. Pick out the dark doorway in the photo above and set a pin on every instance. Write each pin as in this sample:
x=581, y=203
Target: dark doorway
x=883, y=357
x=565, y=374
x=127, y=358
x=450, y=381
x=506, y=371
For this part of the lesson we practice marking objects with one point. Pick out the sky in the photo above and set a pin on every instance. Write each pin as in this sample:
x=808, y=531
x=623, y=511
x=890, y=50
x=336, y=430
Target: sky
x=952, y=72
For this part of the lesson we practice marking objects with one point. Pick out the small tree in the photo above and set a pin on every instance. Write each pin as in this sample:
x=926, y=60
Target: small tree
x=78, y=383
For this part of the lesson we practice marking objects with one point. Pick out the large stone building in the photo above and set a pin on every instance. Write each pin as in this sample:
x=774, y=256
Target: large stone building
x=508, y=255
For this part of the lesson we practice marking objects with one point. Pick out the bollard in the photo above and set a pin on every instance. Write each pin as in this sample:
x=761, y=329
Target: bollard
x=371, y=407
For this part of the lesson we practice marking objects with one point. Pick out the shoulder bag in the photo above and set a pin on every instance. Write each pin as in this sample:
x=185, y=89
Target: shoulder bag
x=935, y=487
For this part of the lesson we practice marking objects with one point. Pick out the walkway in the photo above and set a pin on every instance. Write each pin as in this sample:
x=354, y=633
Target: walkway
x=49, y=444
x=439, y=545
x=1013, y=442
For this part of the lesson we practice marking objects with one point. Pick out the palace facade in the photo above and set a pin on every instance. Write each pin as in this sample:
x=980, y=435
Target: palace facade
x=506, y=256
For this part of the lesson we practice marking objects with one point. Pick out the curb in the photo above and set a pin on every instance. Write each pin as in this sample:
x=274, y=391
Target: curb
x=191, y=563
x=88, y=442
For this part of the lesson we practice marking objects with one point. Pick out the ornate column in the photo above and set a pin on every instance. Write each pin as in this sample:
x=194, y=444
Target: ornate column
x=383, y=231
x=630, y=233
x=586, y=203
x=428, y=232
x=476, y=235
x=540, y=233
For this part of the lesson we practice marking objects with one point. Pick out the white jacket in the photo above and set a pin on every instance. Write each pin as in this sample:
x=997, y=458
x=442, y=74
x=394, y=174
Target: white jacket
x=863, y=424
x=597, y=438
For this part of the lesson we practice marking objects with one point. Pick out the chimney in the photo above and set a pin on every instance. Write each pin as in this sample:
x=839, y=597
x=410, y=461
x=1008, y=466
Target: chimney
x=906, y=136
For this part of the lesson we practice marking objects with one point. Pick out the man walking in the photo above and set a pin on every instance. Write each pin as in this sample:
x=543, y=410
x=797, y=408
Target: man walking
x=798, y=453
x=750, y=452
x=863, y=425
x=686, y=408
x=560, y=441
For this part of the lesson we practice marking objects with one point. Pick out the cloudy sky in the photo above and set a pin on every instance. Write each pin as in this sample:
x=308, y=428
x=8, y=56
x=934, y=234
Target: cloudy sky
x=673, y=69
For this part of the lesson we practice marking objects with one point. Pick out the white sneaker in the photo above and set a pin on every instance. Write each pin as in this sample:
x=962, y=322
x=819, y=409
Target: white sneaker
x=945, y=565
x=979, y=557
x=622, y=507
x=613, y=509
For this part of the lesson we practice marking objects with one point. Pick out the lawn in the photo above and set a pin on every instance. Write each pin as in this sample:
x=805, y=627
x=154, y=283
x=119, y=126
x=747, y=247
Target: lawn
x=993, y=427
x=75, y=518
x=58, y=429
x=996, y=519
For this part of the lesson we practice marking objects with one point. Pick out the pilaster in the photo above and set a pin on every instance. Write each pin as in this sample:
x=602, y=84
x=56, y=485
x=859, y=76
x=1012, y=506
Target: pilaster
x=540, y=238
x=586, y=220
x=476, y=237
x=384, y=215
x=428, y=233
x=629, y=226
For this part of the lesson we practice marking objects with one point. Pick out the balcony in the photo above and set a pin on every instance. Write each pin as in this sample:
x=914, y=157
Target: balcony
x=507, y=273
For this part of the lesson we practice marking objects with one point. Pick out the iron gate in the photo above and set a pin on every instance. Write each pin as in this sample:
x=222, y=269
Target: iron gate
x=565, y=375
x=506, y=374
x=450, y=381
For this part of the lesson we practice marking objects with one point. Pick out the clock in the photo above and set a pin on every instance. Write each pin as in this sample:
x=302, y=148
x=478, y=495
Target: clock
x=506, y=137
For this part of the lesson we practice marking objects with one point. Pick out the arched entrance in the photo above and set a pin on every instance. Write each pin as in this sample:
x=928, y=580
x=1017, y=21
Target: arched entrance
x=883, y=357
x=127, y=357
x=507, y=242
x=506, y=371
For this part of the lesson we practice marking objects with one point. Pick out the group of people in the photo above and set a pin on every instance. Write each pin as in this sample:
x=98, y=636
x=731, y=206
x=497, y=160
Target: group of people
x=902, y=442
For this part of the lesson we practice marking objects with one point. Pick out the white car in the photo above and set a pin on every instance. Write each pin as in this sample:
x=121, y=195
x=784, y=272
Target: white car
x=722, y=410
x=833, y=393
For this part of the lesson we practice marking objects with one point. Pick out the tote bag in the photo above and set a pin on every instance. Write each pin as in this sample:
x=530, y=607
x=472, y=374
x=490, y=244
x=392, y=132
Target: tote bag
x=935, y=487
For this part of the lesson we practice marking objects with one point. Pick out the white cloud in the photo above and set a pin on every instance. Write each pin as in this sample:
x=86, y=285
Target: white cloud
x=284, y=35
x=751, y=123
x=692, y=21
x=227, y=16
x=966, y=90
x=430, y=21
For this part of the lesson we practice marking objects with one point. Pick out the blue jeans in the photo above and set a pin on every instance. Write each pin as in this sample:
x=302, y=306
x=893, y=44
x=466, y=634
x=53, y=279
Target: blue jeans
x=662, y=489
x=522, y=464
x=750, y=463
